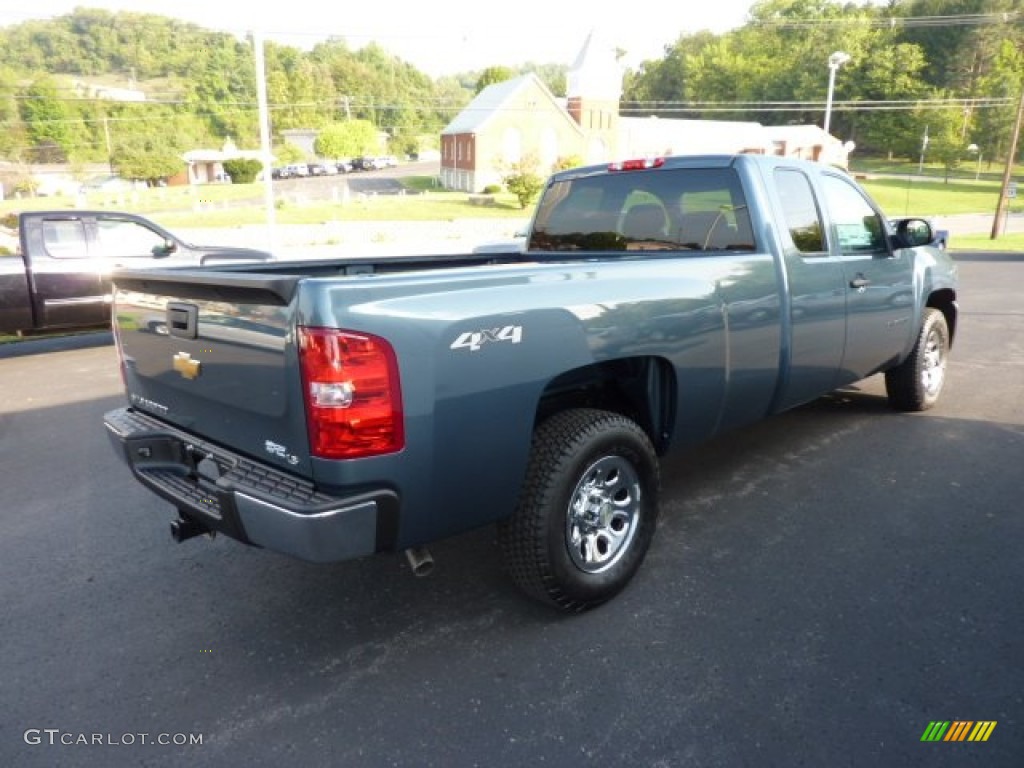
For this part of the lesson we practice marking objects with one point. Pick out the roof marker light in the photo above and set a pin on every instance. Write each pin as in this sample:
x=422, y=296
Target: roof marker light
x=638, y=164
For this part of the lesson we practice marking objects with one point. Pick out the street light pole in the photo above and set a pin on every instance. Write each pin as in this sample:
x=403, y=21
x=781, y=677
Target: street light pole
x=835, y=61
x=974, y=149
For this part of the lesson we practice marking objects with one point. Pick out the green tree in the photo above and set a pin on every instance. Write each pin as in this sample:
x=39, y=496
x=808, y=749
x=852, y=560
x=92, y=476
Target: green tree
x=493, y=75
x=148, y=140
x=945, y=126
x=47, y=121
x=554, y=76
x=13, y=136
x=892, y=73
x=146, y=159
x=992, y=127
x=288, y=153
x=405, y=141
x=350, y=139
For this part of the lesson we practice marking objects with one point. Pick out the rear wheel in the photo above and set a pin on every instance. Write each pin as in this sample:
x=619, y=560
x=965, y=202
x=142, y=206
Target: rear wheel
x=916, y=383
x=587, y=511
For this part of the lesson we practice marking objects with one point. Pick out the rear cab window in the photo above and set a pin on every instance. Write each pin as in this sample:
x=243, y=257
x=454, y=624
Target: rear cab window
x=685, y=209
x=64, y=238
x=801, y=213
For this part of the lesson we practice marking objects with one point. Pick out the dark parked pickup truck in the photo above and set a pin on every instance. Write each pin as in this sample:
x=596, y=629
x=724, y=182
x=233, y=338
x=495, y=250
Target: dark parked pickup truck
x=335, y=409
x=59, y=277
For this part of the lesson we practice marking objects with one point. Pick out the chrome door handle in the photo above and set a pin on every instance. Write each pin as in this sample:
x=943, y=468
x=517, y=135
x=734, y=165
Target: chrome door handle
x=860, y=282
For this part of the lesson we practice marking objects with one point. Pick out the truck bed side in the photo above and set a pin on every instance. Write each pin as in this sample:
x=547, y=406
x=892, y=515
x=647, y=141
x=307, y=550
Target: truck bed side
x=660, y=333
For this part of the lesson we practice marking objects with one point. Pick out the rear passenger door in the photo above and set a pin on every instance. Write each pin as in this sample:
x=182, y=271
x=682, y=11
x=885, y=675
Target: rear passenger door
x=879, y=280
x=817, y=291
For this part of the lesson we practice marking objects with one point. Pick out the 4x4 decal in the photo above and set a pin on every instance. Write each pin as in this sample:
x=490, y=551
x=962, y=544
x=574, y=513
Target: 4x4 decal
x=474, y=340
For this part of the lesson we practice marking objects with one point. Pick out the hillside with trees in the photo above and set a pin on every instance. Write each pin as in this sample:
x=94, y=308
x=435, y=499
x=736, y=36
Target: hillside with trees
x=199, y=88
x=951, y=68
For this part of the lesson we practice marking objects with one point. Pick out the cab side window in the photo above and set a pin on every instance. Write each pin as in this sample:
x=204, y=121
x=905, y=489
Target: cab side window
x=119, y=239
x=858, y=227
x=64, y=238
x=803, y=219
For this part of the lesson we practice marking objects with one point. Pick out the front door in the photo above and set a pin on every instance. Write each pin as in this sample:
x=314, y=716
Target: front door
x=125, y=242
x=879, y=281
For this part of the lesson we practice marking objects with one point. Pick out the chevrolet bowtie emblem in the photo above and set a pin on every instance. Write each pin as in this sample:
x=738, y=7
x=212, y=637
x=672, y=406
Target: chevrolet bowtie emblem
x=186, y=366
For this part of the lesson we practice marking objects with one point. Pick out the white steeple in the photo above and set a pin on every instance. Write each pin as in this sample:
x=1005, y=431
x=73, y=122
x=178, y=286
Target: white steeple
x=596, y=74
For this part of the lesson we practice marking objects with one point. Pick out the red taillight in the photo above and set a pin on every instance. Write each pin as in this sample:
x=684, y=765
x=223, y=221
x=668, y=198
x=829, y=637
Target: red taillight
x=352, y=393
x=638, y=165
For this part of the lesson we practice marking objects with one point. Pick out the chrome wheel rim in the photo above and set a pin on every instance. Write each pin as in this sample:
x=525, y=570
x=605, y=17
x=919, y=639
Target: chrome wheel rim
x=933, y=367
x=603, y=514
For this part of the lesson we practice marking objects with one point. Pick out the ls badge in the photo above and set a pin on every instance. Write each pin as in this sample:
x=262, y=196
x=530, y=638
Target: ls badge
x=186, y=366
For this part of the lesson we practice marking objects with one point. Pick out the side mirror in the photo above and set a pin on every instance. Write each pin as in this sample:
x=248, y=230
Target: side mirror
x=911, y=233
x=168, y=247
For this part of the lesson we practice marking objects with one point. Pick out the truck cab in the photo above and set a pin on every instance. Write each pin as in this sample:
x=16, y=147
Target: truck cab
x=63, y=276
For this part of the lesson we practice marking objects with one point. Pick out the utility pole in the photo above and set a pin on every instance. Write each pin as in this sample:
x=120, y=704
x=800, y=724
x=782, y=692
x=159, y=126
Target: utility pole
x=1004, y=192
x=268, y=160
x=110, y=156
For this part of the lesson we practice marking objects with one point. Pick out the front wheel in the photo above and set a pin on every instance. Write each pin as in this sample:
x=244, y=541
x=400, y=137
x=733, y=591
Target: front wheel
x=587, y=510
x=916, y=383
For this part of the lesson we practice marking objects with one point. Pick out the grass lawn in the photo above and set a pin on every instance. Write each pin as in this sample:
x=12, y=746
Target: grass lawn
x=931, y=197
x=229, y=205
x=434, y=206
x=1013, y=241
x=968, y=168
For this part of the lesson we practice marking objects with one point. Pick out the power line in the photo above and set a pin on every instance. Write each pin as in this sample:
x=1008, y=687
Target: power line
x=893, y=22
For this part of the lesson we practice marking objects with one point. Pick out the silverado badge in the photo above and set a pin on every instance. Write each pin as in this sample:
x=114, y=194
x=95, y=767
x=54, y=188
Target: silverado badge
x=186, y=366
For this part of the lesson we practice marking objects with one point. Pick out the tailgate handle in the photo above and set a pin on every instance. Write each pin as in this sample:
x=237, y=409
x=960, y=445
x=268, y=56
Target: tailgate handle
x=182, y=320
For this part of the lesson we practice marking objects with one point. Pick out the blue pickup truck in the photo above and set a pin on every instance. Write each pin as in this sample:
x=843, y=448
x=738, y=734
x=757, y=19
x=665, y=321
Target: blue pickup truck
x=335, y=409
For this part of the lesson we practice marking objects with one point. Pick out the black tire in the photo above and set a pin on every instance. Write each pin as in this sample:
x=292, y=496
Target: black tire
x=916, y=383
x=587, y=510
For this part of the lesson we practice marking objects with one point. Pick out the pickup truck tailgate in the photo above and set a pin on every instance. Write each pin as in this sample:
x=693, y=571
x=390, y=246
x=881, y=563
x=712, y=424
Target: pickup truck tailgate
x=216, y=355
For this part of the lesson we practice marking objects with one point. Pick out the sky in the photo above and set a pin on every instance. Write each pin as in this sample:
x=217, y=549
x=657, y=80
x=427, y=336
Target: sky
x=443, y=36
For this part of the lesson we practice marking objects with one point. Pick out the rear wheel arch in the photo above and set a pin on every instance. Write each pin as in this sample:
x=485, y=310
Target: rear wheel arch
x=643, y=389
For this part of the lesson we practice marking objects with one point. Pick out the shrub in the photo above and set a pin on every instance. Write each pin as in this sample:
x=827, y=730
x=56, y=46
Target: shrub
x=525, y=185
x=492, y=189
x=242, y=170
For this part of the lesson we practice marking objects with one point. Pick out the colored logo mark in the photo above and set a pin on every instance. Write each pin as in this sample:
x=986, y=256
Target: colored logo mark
x=958, y=730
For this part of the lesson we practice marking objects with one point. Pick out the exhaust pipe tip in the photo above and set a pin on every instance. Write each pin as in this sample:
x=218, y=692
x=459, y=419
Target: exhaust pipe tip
x=420, y=561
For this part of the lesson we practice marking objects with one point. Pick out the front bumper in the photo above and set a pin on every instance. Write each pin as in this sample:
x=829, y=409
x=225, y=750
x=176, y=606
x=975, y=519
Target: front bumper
x=252, y=502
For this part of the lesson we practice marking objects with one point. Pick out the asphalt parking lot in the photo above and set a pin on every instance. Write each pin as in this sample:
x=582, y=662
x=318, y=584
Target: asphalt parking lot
x=821, y=588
